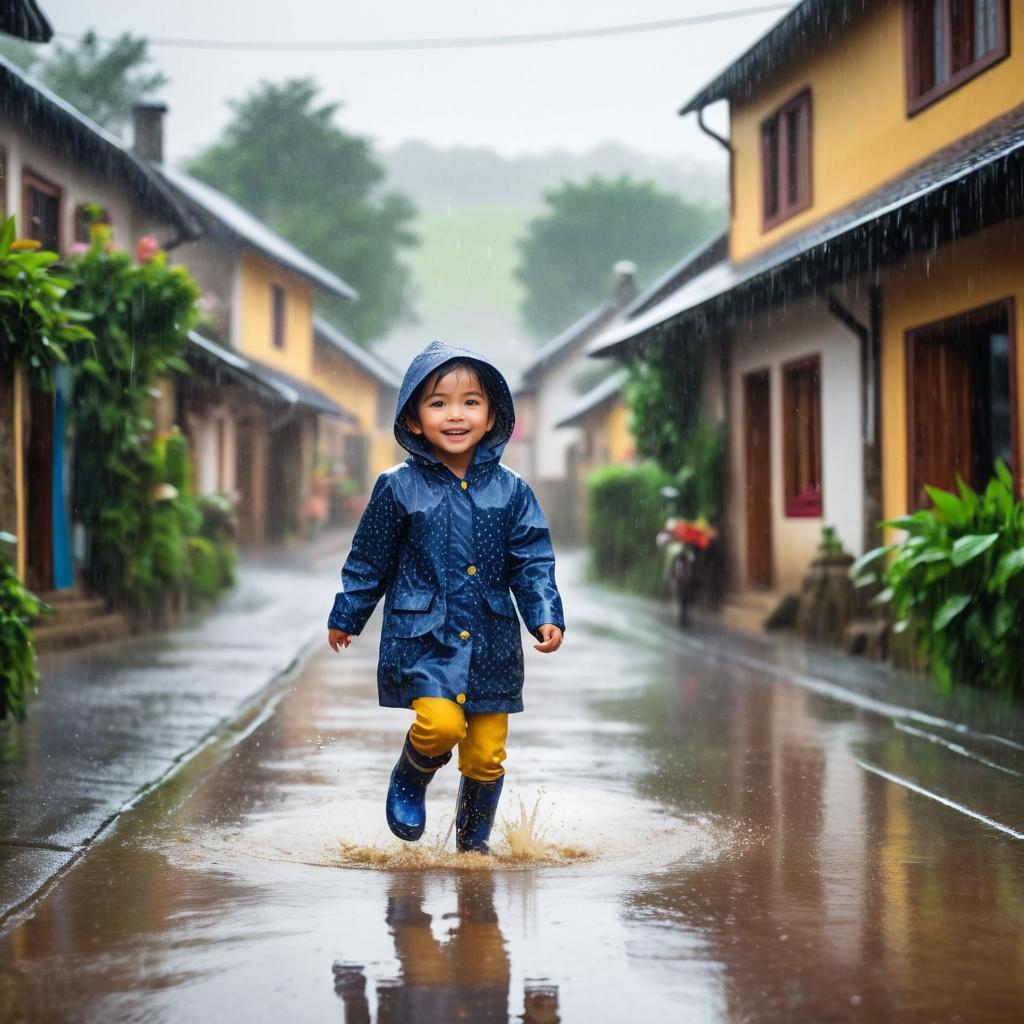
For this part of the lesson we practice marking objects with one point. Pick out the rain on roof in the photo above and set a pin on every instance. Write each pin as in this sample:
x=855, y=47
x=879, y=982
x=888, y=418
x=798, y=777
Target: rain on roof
x=36, y=109
x=957, y=191
x=564, y=340
x=806, y=29
x=24, y=19
x=608, y=389
x=273, y=384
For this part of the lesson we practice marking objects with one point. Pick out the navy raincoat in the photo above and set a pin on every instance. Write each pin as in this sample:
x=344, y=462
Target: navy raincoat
x=445, y=553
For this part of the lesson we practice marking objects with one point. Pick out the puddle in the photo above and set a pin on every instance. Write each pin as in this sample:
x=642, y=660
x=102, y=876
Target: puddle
x=537, y=833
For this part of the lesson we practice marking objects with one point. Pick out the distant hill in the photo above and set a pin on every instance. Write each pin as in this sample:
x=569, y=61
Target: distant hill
x=474, y=205
x=437, y=179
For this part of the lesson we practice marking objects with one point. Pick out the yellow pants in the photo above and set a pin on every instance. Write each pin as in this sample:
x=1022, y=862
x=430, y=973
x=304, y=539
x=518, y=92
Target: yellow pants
x=442, y=724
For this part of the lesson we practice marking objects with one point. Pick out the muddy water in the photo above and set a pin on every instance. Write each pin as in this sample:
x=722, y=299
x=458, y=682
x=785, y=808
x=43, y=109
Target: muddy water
x=710, y=843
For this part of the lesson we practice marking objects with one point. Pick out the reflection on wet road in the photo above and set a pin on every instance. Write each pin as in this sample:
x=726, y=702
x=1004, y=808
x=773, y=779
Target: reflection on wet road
x=721, y=845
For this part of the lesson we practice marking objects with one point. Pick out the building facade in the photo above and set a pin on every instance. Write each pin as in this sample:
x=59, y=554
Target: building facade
x=868, y=301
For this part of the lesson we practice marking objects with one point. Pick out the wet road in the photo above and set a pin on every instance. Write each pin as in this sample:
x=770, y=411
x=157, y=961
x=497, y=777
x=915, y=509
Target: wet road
x=720, y=844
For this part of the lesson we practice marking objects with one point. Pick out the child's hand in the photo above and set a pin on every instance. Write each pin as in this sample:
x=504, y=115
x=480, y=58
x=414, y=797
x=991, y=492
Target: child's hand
x=551, y=637
x=338, y=638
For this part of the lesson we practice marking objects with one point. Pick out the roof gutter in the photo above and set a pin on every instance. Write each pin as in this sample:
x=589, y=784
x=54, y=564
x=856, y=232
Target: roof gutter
x=720, y=139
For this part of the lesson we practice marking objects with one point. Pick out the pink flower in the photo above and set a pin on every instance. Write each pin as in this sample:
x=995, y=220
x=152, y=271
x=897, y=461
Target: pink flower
x=77, y=248
x=146, y=248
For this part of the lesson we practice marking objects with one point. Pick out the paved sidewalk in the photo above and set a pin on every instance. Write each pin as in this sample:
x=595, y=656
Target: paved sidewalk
x=111, y=721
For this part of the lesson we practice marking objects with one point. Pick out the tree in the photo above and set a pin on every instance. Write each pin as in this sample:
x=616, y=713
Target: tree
x=284, y=159
x=567, y=255
x=103, y=84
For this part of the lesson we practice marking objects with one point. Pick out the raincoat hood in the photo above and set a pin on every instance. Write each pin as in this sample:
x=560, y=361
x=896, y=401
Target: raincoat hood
x=434, y=355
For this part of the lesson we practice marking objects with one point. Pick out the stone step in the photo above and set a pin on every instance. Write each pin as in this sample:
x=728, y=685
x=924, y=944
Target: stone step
x=747, y=610
x=76, y=609
x=867, y=637
x=55, y=597
x=53, y=634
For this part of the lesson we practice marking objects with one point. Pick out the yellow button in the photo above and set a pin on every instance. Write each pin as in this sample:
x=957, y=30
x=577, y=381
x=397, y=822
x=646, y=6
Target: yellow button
x=464, y=635
x=460, y=699
x=471, y=569
x=465, y=486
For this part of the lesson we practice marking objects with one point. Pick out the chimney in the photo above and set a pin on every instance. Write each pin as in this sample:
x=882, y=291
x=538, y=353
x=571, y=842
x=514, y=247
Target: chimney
x=624, y=282
x=148, y=131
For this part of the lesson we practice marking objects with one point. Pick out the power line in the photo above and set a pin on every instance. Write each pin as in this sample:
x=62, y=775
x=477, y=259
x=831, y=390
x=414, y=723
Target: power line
x=466, y=42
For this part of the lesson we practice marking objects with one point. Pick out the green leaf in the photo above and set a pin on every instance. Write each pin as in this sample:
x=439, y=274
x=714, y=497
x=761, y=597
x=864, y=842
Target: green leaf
x=913, y=523
x=949, y=610
x=865, y=560
x=950, y=507
x=1007, y=567
x=177, y=364
x=1004, y=617
x=968, y=497
x=1004, y=476
x=6, y=237
x=927, y=556
x=966, y=549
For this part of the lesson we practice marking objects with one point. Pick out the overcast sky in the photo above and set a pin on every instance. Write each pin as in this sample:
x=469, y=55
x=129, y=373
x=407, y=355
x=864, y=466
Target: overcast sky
x=519, y=99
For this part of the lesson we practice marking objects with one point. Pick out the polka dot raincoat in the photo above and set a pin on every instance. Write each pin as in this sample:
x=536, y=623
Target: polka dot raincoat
x=448, y=555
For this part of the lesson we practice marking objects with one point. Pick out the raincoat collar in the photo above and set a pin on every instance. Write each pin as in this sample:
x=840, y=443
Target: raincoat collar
x=490, y=448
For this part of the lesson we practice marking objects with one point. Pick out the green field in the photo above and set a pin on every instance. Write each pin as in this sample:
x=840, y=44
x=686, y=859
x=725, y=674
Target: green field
x=465, y=260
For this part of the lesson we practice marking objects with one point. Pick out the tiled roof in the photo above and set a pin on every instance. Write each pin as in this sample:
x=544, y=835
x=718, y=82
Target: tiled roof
x=281, y=387
x=575, y=332
x=603, y=392
x=223, y=215
x=972, y=184
x=24, y=19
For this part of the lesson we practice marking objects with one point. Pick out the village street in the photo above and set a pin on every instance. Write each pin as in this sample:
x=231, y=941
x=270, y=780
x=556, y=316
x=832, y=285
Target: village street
x=731, y=831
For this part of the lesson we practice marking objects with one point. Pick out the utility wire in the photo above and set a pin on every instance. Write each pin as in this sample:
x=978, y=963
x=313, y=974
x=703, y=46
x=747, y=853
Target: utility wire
x=467, y=42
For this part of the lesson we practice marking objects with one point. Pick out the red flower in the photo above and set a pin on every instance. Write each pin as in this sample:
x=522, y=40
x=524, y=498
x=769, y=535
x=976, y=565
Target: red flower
x=146, y=248
x=693, y=534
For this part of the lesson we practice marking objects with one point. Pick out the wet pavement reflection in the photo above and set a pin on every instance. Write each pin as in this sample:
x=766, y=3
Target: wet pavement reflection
x=734, y=844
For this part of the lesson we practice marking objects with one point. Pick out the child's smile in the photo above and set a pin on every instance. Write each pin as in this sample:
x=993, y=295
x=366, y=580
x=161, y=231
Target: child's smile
x=454, y=416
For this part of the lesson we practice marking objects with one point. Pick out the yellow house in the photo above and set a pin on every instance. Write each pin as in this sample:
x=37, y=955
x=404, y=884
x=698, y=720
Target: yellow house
x=253, y=409
x=867, y=304
x=54, y=165
x=362, y=383
x=602, y=418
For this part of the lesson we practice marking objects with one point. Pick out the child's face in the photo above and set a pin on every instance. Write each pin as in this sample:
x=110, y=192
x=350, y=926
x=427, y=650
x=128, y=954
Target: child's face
x=454, y=414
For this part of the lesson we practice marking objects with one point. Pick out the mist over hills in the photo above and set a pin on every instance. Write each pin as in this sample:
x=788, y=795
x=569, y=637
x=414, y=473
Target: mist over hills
x=439, y=179
x=474, y=205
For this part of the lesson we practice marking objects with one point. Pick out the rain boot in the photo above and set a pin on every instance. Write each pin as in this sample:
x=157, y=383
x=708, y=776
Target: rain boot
x=474, y=817
x=407, y=791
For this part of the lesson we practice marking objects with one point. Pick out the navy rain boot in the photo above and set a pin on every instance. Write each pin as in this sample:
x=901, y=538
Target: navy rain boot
x=407, y=792
x=474, y=818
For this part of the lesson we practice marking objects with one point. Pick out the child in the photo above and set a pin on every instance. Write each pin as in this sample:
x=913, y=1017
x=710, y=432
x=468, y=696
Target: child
x=443, y=538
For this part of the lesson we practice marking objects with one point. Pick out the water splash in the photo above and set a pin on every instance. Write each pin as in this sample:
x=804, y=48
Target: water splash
x=522, y=845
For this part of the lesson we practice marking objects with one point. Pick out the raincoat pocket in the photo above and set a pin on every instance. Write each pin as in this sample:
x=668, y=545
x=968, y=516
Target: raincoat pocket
x=500, y=602
x=411, y=613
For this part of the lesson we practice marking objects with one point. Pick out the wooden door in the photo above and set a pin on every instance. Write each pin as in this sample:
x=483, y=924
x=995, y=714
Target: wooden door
x=758, y=459
x=940, y=416
x=39, y=479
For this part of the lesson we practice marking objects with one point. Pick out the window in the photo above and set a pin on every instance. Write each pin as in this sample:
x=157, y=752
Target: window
x=960, y=400
x=949, y=42
x=42, y=212
x=277, y=315
x=801, y=437
x=786, y=160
